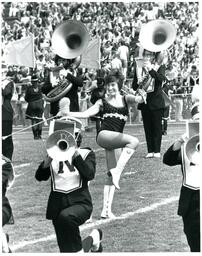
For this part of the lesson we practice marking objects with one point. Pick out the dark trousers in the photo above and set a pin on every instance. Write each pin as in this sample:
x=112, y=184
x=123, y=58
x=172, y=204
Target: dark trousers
x=192, y=225
x=6, y=211
x=37, y=127
x=153, y=129
x=67, y=227
x=7, y=144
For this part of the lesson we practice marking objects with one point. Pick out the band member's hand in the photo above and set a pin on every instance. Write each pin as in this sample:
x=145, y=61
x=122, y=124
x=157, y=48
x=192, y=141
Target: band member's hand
x=139, y=99
x=47, y=161
x=142, y=95
x=182, y=139
x=131, y=91
x=148, y=65
x=68, y=71
x=76, y=153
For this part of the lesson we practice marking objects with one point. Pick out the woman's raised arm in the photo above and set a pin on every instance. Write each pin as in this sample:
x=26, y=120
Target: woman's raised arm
x=92, y=111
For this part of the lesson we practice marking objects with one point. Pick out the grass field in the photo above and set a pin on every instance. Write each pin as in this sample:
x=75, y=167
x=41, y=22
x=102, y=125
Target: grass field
x=146, y=205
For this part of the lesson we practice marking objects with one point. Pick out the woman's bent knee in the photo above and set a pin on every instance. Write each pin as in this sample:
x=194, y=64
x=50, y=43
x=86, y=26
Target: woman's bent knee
x=134, y=142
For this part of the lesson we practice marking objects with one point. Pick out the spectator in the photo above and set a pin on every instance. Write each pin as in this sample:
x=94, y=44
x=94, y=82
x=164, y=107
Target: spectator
x=116, y=62
x=123, y=52
x=193, y=78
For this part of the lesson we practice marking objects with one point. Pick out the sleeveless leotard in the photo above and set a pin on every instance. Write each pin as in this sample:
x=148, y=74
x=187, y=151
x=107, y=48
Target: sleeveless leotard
x=114, y=118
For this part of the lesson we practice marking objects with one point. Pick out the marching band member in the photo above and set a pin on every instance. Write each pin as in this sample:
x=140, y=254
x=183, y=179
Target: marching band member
x=167, y=89
x=67, y=72
x=70, y=203
x=35, y=107
x=110, y=136
x=7, y=215
x=152, y=109
x=7, y=90
x=189, y=201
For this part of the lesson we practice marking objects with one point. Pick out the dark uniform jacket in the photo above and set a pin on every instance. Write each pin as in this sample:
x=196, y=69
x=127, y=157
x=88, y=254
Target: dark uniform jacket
x=58, y=200
x=7, y=177
x=7, y=93
x=188, y=196
x=155, y=99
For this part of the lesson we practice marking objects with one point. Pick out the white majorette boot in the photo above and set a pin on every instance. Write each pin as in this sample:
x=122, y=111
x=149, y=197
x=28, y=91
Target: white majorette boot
x=107, y=202
x=123, y=159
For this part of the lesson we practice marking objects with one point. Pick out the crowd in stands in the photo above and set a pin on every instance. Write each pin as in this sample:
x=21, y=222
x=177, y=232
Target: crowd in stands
x=116, y=23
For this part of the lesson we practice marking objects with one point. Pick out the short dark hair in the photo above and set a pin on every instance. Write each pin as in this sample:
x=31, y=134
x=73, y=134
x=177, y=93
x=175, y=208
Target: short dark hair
x=115, y=75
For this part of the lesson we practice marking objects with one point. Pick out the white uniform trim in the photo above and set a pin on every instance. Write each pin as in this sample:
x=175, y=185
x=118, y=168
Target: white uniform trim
x=67, y=181
x=120, y=116
x=191, y=173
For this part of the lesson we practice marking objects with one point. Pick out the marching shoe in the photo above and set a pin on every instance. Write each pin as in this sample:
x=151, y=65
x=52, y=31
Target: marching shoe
x=107, y=215
x=96, y=234
x=157, y=155
x=5, y=241
x=149, y=155
x=107, y=202
x=111, y=215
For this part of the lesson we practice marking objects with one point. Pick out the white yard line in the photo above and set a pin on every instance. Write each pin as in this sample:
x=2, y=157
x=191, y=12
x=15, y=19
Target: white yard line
x=100, y=222
x=21, y=165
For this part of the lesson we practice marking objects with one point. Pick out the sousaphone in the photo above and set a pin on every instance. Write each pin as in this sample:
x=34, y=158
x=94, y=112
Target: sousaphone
x=157, y=35
x=69, y=41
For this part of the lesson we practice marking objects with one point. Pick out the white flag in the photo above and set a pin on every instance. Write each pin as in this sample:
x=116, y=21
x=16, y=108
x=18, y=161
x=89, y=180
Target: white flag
x=20, y=52
x=91, y=56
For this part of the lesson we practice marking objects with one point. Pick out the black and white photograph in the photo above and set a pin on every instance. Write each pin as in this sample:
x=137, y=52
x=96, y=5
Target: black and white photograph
x=100, y=126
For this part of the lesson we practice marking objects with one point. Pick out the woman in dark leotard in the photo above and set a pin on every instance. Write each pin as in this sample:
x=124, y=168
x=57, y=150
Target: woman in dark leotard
x=110, y=136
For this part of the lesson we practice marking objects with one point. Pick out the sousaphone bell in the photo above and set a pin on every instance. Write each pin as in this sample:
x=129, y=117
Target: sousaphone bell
x=60, y=145
x=157, y=35
x=192, y=149
x=70, y=39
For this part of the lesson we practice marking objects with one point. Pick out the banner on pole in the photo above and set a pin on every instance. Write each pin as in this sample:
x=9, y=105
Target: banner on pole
x=20, y=52
x=91, y=56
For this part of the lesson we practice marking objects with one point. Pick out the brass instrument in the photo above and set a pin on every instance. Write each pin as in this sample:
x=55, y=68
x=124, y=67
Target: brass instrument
x=192, y=146
x=192, y=149
x=69, y=40
x=61, y=143
x=155, y=36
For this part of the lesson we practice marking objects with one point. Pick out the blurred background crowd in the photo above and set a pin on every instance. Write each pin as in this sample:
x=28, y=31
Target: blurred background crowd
x=118, y=25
